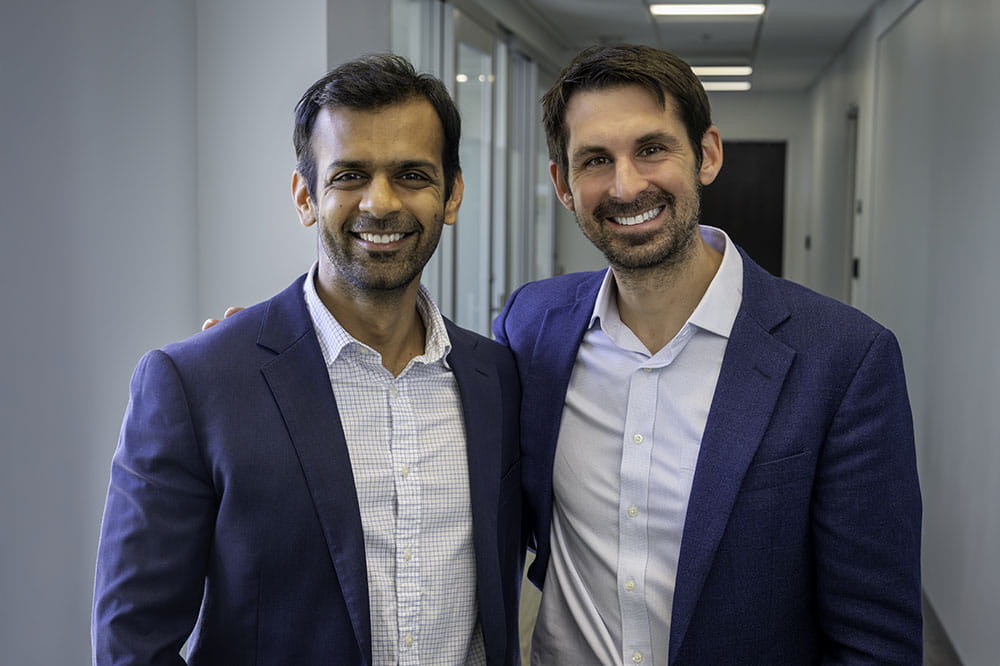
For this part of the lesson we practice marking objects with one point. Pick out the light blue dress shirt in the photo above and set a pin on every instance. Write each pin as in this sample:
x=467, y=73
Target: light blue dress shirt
x=625, y=460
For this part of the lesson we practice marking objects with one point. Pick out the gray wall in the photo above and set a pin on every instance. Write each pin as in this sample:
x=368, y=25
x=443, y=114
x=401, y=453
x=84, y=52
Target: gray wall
x=254, y=61
x=97, y=264
x=938, y=231
x=144, y=185
x=924, y=75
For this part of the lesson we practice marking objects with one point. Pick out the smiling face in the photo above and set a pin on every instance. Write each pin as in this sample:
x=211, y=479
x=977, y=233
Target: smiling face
x=380, y=199
x=633, y=180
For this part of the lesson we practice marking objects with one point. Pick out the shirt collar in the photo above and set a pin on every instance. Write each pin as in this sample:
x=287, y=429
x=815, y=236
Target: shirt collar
x=716, y=312
x=333, y=338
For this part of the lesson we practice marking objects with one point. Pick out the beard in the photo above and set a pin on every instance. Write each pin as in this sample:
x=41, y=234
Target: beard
x=668, y=245
x=373, y=269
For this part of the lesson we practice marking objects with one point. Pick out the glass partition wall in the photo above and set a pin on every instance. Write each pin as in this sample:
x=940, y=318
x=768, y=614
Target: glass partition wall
x=505, y=230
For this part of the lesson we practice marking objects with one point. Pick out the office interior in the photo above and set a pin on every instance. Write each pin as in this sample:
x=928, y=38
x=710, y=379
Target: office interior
x=145, y=186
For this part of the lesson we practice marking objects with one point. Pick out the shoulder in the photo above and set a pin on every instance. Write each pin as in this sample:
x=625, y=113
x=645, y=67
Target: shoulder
x=559, y=290
x=244, y=339
x=467, y=344
x=528, y=305
x=820, y=329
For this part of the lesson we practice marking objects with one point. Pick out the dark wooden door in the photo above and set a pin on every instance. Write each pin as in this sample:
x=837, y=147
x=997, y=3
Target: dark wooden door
x=747, y=199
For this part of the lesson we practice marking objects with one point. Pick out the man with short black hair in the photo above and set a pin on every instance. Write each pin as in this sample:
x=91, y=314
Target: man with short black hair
x=331, y=476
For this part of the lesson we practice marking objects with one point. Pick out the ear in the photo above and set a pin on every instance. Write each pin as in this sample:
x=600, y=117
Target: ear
x=562, y=187
x=711, y=155
x=454, y=201
x=304, y=204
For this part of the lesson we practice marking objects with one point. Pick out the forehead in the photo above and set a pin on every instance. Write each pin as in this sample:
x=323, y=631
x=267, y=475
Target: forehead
x=610, y=115
x=407, y=130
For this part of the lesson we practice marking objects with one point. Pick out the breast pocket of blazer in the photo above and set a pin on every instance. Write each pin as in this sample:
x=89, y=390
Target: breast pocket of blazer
x=798, y=467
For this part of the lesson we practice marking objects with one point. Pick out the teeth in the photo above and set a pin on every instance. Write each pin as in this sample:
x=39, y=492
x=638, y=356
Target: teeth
x=638, y=219
x=380, y=239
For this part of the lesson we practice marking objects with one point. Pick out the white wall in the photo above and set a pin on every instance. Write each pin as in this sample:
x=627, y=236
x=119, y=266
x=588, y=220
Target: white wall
x=940, y=209
x=934, y=195
x=776, y=117
x=845, y=84
x=97, y=197
x=255, y=59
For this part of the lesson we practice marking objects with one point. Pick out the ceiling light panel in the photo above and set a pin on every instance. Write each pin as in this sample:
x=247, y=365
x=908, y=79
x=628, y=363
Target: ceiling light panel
x=747, y=9
x=723, y=71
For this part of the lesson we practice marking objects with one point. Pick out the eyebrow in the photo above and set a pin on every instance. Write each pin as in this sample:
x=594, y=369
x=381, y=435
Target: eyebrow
x=670, y=140
x=662, y=137
x=364, y=165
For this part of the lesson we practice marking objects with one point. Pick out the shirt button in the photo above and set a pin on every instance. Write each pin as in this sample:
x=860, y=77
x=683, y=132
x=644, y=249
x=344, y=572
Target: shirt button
x=636, y=657
x=647, y=370
x=409, y=640
x=630, y=585
x=633, y=511
x=637, y=438
x=393, y=391
x=407, y=554
x=405, y=471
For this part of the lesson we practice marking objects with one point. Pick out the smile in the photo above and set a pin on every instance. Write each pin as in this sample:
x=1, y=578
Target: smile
x=638, y=219
x=380, y=239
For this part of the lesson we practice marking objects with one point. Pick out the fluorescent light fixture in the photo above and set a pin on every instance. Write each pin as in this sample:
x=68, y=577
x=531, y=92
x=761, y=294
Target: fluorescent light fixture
x=726, y=86
x=723, y=71
x=745, y=9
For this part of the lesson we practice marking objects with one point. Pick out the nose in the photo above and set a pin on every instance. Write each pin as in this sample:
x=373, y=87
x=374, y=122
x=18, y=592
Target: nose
x=629, y=182
x=379, y=198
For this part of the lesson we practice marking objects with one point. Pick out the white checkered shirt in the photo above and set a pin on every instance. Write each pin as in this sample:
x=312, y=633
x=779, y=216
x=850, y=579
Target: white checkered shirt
x=406, y=441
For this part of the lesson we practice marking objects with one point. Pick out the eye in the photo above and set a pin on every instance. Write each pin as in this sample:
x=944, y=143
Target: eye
x=595, y=162
x=415, y=179
x=347, y=178
x=651, y=150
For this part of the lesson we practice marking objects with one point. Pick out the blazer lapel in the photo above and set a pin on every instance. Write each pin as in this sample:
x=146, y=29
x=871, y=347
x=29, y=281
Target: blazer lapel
x=479, y=390
x=544, y=396
x=300, y=385
x=753, y=372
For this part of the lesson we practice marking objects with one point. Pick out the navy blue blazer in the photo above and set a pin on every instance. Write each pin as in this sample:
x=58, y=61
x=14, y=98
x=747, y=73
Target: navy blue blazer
x=232, y=501
x=802, y=538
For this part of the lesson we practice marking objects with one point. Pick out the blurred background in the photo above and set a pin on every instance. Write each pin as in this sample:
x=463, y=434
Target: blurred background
x=145, y=185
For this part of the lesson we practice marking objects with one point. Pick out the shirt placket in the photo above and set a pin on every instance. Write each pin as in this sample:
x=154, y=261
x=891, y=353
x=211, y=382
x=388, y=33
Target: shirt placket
x=633, y=546
x=406, y=474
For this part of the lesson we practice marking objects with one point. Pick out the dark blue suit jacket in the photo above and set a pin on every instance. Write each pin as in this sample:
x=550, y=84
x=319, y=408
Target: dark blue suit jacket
x=802, y=538
x=232, y=502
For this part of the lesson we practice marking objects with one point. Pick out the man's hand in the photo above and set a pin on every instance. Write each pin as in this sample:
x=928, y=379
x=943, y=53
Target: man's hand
x=209, y=323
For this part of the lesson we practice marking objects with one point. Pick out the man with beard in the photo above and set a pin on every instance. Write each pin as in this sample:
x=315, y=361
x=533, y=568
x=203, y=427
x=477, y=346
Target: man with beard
x=331, y=476
x=719, y=465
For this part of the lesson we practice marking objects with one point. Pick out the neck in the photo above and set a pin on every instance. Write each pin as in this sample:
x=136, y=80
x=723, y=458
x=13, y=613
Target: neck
x=655, y=302
x=386, y=321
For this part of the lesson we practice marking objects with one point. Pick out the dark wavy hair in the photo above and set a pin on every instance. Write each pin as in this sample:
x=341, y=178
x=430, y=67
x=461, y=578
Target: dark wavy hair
x=598, y=67
x=370, y=83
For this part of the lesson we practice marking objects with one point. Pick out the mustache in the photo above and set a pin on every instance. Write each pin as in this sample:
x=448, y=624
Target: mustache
x=395, y=222
x=649, y=198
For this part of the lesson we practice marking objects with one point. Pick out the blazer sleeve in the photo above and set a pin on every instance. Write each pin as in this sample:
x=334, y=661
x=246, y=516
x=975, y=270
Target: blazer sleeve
x=157, y=526
x=866, y=519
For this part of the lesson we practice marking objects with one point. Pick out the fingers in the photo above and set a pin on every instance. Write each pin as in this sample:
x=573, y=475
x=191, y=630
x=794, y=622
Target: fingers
x=209, y=323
